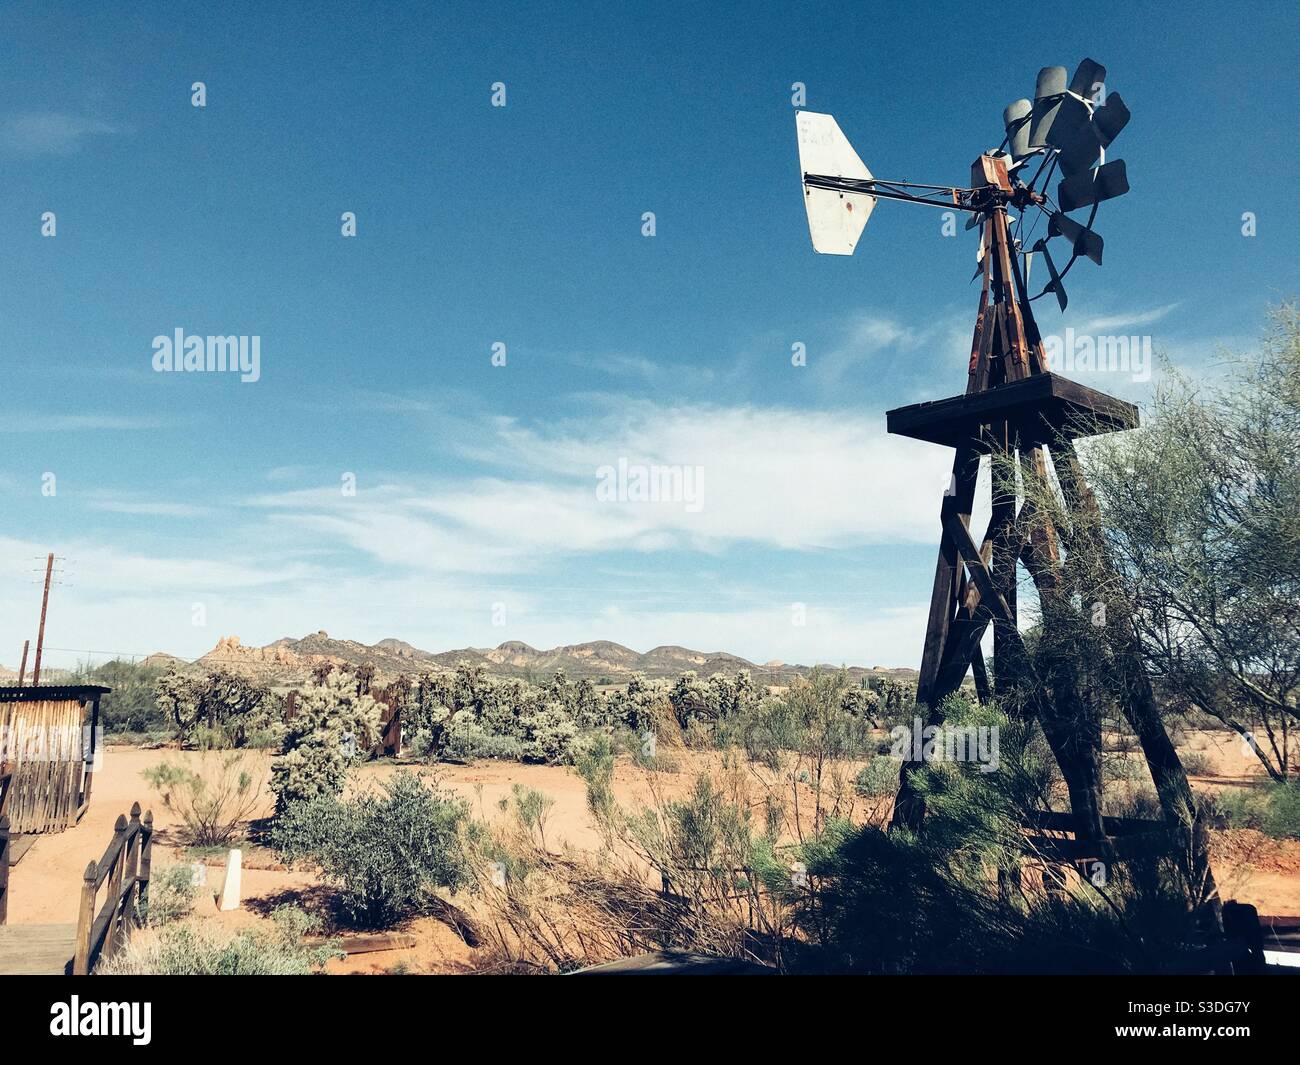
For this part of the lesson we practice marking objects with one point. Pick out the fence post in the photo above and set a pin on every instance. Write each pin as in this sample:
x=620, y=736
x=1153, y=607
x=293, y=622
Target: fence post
x=146, y=859
x=4, y=868
x=131, y=859
x=85, y=922
x=114, y=900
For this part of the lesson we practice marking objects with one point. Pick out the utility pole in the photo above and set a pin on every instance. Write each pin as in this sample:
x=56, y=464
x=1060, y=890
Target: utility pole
x=40, y=633
x=22, y=670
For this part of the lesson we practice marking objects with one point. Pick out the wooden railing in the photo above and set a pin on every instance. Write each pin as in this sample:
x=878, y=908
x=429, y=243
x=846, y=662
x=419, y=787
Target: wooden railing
x=4, y=868
x=124, y=869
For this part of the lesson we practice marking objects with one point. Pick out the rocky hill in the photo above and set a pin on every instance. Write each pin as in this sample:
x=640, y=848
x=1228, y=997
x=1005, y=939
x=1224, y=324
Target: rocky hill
x=289, y=658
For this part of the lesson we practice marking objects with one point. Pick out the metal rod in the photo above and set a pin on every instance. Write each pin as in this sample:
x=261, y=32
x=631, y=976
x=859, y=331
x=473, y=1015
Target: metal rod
x=870, y=188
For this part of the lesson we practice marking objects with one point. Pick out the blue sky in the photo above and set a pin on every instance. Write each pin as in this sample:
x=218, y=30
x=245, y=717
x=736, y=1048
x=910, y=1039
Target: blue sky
x=522, y=224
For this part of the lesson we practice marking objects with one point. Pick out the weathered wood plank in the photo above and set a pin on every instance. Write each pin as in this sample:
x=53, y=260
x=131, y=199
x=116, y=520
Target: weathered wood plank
x=36, y=949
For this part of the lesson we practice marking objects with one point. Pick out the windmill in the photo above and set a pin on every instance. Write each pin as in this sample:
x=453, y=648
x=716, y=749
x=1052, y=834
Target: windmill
x=1052, y=169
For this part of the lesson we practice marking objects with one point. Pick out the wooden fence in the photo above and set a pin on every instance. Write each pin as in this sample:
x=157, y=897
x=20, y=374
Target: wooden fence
x=47, y=745
x=124, y=872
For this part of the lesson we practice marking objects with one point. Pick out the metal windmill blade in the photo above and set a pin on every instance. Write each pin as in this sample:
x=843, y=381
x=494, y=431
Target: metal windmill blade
x=1047, y=100
x=1074, y=137
x=1015, y=118
x=1088, y=77
x=1053, y=286
x=1084, y=240
x=1111, y=117
x=1092, y=186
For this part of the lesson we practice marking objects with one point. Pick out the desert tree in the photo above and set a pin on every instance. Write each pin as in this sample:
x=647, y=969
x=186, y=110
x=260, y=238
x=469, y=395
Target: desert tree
x=1203, y=521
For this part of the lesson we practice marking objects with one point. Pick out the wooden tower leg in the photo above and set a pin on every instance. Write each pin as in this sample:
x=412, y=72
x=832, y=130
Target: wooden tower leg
x=1138, y=701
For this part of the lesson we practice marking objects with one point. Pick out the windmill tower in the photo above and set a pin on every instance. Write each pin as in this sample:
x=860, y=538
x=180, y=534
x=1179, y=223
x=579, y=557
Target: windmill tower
x=1025, y=417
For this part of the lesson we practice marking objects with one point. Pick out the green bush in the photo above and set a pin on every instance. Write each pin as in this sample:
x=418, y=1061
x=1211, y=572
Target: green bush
x=955, y=896
x=467, y=740
x=208, y=950
x=1273, y=809
x=879, y=777
x=1282, y=812
x=383, y=850
x=171, y=895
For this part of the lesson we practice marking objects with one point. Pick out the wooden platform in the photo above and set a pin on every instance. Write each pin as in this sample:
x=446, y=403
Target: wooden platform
x=36, y=949
x=1039, y=407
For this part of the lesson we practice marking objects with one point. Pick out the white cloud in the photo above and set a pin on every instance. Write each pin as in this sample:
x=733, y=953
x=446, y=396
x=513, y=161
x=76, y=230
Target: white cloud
x=1127, y=321
x=291, y=561
x=774, y=477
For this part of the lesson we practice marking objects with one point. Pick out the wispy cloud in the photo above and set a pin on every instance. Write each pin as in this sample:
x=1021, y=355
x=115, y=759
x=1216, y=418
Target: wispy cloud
x=1127, y=321
x=779, y=478
x=51, y=132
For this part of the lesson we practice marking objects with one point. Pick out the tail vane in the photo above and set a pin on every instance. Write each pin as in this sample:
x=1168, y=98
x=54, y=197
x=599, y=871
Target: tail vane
x=835, y=219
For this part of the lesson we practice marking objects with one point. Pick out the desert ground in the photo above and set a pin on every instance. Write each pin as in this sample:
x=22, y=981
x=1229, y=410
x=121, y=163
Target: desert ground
x=45, y=885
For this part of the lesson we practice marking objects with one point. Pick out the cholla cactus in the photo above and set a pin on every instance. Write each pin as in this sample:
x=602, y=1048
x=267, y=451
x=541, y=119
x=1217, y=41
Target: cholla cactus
x=334, y=728
x=549, y=733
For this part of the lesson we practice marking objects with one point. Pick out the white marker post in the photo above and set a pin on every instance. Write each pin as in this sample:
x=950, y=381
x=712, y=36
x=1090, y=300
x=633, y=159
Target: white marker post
x=230, y=889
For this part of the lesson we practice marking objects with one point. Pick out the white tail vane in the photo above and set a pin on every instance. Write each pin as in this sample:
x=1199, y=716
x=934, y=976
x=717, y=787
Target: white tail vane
x=835, y=219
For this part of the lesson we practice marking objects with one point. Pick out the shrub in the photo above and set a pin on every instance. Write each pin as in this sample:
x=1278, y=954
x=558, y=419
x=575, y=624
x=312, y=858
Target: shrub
x=384, y=850
x=879, y=777
x=212, y=801
x=1273, y=809
x=1282, y=814
x=215, y=950
x=1197, y=763
x=549, y=733
x=171, y=895
x=532, y=808
x=467, y=740
x=334, y=725
x=955, y=896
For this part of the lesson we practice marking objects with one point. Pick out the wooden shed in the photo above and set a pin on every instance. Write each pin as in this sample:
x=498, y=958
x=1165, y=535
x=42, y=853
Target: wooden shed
x=48, y=739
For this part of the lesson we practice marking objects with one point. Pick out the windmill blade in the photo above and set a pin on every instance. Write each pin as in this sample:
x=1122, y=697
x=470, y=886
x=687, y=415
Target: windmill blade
x=1029, y=265
x=1085, y=241
x=1092, y=186
x=1047, y=99
x=835, y=219
x=1088, y=78
x=1074, y=137
x=1015, y=118
x=1054, y=285
x=1110, y=118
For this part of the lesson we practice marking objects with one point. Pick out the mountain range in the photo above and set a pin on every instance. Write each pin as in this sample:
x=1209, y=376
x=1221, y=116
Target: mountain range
x=598, y=659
